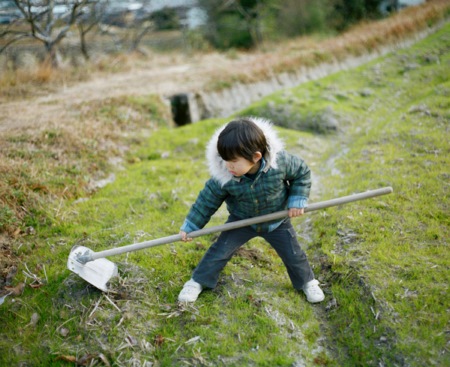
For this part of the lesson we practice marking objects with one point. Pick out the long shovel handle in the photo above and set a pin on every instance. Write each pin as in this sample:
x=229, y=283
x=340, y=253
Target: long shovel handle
x=233, y=225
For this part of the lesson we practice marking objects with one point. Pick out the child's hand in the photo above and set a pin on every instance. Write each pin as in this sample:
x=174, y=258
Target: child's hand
x=184, y=237
x=296, y=212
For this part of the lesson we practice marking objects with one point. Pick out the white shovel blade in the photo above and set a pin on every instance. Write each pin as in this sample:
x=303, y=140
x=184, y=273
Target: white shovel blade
x=97, y=272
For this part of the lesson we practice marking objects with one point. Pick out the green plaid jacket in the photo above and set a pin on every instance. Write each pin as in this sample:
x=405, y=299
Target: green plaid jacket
x=273, y=189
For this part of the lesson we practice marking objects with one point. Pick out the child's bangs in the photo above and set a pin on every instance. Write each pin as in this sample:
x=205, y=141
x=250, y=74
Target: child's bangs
x=229, y=152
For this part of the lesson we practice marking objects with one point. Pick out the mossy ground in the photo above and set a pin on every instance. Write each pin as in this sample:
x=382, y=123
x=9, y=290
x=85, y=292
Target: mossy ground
x=383, y=262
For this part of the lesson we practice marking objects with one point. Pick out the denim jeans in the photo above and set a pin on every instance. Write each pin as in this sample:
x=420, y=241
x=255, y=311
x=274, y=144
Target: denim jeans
x=283, y=240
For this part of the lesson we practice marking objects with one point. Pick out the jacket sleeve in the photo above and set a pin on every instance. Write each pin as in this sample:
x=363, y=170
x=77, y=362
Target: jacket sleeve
x=298, y=175
x=208, y=201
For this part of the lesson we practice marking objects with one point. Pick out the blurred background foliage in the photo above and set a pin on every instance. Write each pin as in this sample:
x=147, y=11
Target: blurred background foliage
x=89, y=26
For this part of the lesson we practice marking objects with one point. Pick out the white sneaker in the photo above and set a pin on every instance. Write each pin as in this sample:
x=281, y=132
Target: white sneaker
x=313, y=292
x=190, y=291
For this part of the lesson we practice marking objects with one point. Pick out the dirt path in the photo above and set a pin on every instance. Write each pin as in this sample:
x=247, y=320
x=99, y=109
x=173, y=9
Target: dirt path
x=164, y=75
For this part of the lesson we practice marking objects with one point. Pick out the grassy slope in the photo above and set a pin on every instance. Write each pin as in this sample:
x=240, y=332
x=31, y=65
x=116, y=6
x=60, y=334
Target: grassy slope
x=383, y=261
x=393, y=252
x=150, y=200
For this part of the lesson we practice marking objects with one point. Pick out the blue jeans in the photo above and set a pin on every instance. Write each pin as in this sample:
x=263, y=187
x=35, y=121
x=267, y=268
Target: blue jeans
x=283, y=240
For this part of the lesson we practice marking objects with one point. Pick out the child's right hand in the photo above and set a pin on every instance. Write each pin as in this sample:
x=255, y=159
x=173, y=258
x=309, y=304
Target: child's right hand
x=184, y=237
x=296, y=212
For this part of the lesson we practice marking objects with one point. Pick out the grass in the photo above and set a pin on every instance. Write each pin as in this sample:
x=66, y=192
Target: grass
x=63, y=162
x=391, y=253
x=383, y=262
x=147, y=201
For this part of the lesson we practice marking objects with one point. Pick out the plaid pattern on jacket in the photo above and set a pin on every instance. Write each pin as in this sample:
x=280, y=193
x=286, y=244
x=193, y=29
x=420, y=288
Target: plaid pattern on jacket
x=283, y=185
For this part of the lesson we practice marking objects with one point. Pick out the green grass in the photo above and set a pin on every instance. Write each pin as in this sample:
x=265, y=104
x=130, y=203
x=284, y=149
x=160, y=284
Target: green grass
x=149, y=200
x=383, y=262
x=401, y=246
x=391, y=252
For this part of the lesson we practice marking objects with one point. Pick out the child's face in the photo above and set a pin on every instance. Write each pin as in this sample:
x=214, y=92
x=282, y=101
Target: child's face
x=241, y=166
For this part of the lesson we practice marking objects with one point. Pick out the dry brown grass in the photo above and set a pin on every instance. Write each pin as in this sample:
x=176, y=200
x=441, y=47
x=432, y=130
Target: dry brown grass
x=42, y=77
x=63, y=161
x=363, y=38
x=23, y=82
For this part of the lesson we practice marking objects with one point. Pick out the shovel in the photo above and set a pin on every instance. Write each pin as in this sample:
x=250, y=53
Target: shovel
x=96, y=270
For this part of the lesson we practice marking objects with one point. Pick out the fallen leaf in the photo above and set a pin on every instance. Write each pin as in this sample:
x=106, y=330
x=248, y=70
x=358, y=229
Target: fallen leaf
x=17, y=290
x=71, y=359
x=16, y=233
x=159, y=340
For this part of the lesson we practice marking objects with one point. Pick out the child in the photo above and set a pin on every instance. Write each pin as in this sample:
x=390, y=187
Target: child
x=254, y=176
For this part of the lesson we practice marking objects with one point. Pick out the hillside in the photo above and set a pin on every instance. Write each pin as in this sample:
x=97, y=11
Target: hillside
x=383, y=262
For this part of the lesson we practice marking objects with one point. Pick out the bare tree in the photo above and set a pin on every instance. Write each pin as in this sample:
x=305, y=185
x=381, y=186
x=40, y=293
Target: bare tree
x=138, y=32
x=91, y=18
x=140, y=27
x=126, y=27
x=45, y=21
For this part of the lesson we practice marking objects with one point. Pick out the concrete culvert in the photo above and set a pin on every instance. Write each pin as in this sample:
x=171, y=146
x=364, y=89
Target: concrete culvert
x=181, y=113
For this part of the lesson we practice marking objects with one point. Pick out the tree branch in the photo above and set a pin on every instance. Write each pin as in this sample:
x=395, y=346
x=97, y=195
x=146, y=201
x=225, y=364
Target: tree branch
x=15, y=39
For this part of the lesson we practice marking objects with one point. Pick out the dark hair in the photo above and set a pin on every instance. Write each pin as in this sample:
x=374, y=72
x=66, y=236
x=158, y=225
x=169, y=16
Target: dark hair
x=241, y=138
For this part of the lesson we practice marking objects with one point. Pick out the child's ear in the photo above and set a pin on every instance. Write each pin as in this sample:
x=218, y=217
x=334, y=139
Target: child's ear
x=257, y=156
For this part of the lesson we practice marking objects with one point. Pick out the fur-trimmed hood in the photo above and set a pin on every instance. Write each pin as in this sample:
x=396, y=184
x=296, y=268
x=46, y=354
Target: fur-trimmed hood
x=216, y=164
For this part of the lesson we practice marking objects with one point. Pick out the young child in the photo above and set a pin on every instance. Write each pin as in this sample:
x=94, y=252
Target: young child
x=254, y=175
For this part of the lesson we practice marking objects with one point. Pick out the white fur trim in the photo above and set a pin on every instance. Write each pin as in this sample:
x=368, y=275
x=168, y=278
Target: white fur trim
x=216, y=164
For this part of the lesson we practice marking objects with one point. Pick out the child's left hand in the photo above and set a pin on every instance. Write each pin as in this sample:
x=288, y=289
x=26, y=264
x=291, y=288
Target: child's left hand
x=296, y=212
